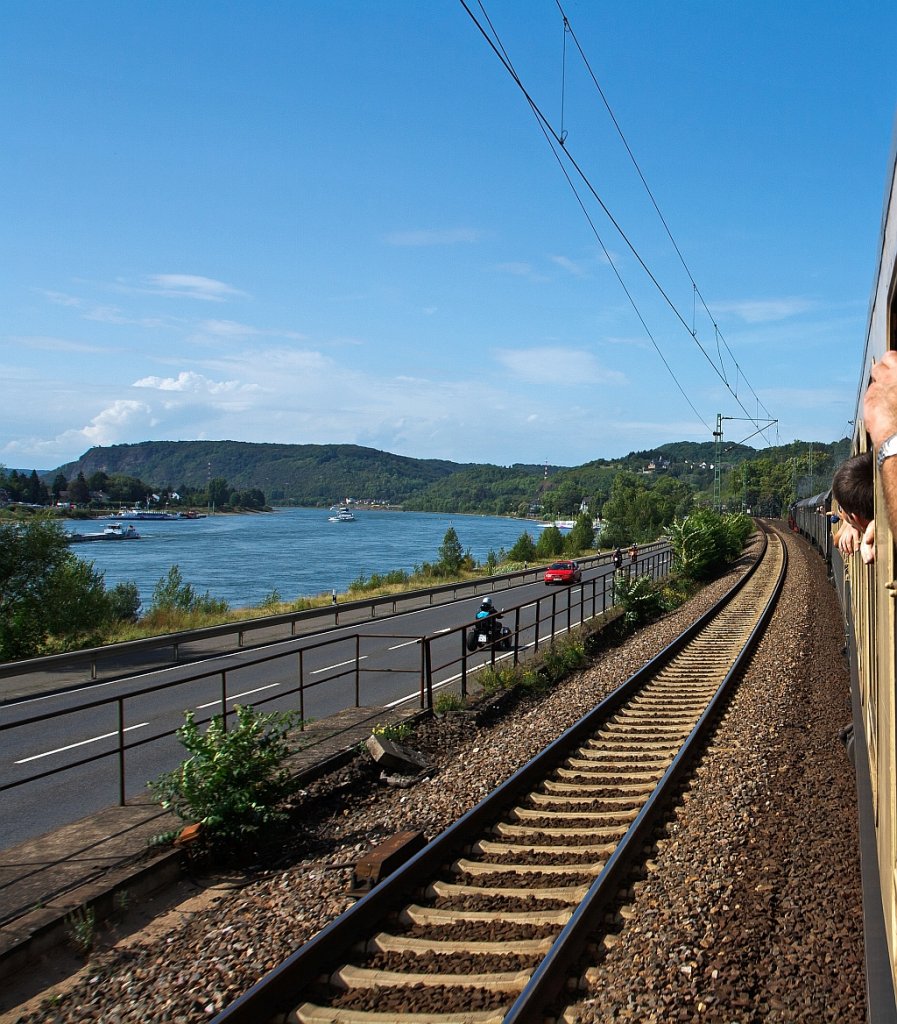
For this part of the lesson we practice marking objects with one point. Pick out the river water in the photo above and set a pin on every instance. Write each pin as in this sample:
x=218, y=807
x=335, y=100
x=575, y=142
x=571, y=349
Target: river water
x=295, y=551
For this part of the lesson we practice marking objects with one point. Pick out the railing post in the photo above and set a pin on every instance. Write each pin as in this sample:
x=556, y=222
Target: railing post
x=302, y=688
x=554, y=614
x=357, y=671
x=224, y=699
x=427, y=675
x=538, y=620
x=121, y=752
x=463, y=635
x=517, y=635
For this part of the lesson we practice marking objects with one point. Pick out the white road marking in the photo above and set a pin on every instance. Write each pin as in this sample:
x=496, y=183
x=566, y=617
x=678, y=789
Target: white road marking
x=408, y=643
x=339, y=664
x=81, y=743
x=455, y=678
x=235, y=696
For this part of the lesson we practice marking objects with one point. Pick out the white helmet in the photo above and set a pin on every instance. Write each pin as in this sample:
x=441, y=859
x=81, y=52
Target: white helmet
x=487, y=604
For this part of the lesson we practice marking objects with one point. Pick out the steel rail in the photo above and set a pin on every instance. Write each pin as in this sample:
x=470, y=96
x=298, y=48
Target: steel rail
x=277, y=992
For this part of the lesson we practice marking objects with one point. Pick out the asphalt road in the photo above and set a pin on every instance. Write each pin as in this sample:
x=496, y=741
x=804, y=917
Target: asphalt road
x=376, y=665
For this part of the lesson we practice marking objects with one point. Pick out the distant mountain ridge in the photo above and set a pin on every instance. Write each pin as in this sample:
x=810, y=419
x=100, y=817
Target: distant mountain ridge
x=315, y=474
x=307, y=473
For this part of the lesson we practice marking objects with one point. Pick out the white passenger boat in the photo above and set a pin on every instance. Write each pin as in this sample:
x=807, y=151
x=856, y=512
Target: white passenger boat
x=343, y=515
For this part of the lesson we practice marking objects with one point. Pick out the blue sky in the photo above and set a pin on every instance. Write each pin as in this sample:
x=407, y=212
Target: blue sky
x=339, y=222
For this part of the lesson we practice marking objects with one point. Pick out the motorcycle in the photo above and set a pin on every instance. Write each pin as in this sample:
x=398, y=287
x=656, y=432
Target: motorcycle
x=488, y=632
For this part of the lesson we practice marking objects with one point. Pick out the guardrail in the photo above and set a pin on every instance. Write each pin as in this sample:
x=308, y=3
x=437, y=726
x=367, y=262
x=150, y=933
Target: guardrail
x=111, y=660
x=595, y=596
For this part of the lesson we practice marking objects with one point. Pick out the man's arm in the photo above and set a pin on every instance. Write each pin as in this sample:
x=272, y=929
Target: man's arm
x=880, y=418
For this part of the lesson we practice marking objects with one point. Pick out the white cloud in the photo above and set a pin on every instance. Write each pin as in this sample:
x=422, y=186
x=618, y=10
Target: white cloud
x=448, y=236
x=190, y=286
x=550, y=365
x=188, y=381
x=567, y=264
x=519, y=268
x=232, y=329
x=122, y=416
x=44, y=344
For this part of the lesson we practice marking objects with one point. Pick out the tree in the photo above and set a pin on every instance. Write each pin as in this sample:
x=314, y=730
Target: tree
x=45, y=590
x=219, y=491
x=450, y=553
x=638, y=509
x=550, y=543
x=37, y=492
x=79, y=492
x=524, y=549
x=98, y=481
x=60, y=484
x=582, y=536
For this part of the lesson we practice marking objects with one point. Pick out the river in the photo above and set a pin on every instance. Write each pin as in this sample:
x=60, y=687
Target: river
x=295, y=551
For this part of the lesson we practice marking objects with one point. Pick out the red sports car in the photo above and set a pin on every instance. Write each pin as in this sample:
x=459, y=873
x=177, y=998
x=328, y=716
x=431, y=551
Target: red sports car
x=563, y=572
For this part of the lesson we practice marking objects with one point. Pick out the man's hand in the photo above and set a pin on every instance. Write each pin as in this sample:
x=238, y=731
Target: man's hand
x=880, y=400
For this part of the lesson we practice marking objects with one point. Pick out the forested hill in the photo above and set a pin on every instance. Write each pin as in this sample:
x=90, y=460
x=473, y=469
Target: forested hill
x=308, y=474
x=313, y=474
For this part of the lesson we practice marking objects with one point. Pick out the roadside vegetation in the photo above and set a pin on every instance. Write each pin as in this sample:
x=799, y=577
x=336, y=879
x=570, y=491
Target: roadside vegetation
x=234, y=788
x=235, y=782
x=52, y=601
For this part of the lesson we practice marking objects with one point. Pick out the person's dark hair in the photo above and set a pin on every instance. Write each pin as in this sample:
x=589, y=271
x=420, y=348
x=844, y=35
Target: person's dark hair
x=852, y=486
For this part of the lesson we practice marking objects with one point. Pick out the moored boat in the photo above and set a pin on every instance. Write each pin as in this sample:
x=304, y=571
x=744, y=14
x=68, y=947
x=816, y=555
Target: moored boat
x=114, y=531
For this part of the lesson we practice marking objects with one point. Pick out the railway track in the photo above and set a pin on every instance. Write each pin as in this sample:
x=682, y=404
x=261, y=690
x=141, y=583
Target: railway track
x=496, y=918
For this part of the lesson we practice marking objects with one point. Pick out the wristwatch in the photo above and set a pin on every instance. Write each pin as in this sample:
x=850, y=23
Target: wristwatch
x=886, y=449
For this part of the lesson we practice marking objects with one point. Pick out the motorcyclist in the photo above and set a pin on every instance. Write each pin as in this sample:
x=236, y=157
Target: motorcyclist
x=491, y=615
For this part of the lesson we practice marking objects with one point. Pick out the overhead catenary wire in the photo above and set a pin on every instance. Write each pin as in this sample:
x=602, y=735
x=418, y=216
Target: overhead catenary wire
x=568, y=28
x=549, y=135
x=557, y=143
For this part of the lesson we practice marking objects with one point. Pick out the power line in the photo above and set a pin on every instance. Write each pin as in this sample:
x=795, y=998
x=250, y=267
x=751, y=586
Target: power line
x=557, y=142
x=550, y=135
x=696, y=290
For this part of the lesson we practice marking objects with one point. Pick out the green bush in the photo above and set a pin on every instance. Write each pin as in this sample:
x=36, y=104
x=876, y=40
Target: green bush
x=124, y=602
x=235, y=780
x=173, y=594
x=561, y=658
x=640, y=598
x=706, y=541
x=447, y=701
x=398, y=732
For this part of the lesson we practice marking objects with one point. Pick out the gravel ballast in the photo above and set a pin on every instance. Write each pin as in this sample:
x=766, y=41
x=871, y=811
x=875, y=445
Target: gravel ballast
x=751, y=910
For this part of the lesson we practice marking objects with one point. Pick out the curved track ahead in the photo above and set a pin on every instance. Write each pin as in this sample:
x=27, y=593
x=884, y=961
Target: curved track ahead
x=490, y=922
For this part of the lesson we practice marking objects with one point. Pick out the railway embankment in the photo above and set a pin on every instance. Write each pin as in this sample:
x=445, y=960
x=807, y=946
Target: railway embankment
x=750, y=909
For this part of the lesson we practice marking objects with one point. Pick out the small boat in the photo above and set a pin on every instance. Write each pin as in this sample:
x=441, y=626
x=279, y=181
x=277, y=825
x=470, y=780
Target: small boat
x=114, y=531
x=137, y=513
x=343, y=515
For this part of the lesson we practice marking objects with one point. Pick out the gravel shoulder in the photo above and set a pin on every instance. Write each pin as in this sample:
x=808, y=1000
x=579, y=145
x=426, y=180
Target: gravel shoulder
x=753, y=896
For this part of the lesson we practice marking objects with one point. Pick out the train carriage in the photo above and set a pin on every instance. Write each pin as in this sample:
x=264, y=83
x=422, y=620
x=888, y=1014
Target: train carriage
x=869, y=593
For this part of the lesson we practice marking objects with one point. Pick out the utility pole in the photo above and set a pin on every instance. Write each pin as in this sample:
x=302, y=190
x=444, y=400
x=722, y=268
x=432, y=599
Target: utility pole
x=718, y=437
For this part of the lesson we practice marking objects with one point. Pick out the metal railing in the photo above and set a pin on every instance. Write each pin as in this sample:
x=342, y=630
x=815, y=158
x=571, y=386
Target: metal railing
x=542, y=618
x=109, y=660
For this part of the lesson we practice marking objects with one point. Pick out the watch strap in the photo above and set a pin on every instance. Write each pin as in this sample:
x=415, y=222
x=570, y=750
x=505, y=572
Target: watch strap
x=886, y=449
